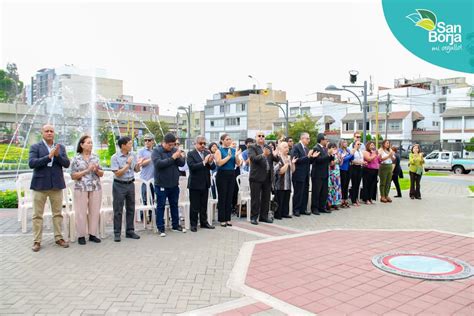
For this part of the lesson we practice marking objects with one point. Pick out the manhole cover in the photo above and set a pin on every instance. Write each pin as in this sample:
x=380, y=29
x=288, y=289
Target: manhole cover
x=423, y=266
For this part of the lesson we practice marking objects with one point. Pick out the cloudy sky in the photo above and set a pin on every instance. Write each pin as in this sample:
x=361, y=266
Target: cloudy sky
x=176, y=53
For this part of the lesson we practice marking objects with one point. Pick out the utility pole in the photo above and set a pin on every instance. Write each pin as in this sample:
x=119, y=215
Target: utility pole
x=387, y=109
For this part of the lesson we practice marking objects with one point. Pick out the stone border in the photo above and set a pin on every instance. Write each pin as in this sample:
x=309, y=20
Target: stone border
x=220, y=308
x=466, y=272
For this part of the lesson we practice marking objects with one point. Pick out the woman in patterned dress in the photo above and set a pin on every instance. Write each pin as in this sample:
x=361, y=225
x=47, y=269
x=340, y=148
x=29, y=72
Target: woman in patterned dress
x=334, y=183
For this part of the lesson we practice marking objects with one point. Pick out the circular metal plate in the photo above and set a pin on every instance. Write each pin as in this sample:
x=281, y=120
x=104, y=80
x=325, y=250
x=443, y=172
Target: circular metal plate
x=423, y=266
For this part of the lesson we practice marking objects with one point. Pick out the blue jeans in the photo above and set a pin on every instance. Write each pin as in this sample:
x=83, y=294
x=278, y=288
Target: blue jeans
x=173, y=196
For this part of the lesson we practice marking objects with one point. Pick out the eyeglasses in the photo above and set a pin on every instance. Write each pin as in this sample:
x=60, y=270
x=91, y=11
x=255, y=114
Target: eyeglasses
x=261, y=136
x=202, y=144
x=357, y=136
x=148, y=140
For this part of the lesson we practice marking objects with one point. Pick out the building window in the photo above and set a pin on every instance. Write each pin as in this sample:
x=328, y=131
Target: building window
x=434, y=107
x=381, y=126
x=469, y=122
x=360, y=125
x=294, y=111
x=452, y=123
x=348, y=126
x=305, y=111
x=232, y=121
x=144, y=109
x=225, y=108
x=444, y=90
x=442, y=107
x=395, y=125
x=240, y=107
x=435, y=123
x=209, y=110
x=217, y=123
x=214, y=136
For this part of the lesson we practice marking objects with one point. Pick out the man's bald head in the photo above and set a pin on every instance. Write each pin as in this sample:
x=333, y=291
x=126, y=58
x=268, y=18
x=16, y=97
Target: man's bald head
x=48, y=133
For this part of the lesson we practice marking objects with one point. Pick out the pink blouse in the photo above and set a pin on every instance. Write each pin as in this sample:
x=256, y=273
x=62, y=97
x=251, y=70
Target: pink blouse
x=374, y=164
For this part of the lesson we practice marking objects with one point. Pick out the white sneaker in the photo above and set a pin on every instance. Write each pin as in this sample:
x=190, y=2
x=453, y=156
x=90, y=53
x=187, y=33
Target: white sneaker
x=162, y=234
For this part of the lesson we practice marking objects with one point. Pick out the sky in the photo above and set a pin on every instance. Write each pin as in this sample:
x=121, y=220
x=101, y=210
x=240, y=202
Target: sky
x=177, y=53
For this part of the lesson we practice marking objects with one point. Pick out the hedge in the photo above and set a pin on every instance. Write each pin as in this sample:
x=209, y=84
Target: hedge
x=8, y=199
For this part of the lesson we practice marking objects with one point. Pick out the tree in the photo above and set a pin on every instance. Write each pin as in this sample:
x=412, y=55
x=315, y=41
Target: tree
x=104, y=134
x=111, y=148
x=155, y=129
x=10, y=84
x=304, y=124
x=470, y=146
x=271, y=136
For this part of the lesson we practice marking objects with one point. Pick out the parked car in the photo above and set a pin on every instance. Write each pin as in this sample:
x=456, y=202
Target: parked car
x=425, y=148
x=448, y=160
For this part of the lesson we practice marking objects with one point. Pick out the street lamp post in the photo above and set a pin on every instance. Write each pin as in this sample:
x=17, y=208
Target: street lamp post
x=187, y=110
x=362, y=106
x=285, y=112
x=258, y=93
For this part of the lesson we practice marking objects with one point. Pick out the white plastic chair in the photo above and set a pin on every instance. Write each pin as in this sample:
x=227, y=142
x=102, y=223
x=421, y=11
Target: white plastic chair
x=25, y=198
x=68, y=199
x=183, y=202
x=106, y=209
x=212, y=202
x=142, y=207
x=244, y=193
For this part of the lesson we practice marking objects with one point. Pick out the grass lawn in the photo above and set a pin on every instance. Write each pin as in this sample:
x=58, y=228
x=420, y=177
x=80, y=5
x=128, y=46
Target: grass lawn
x=404, y=184
x=471, y=187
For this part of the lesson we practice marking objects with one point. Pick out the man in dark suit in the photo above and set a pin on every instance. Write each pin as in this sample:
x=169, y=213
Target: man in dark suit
x=47, y=161
x=320, y=175
x=200, y=162
x=300, y=177
x=260, y=179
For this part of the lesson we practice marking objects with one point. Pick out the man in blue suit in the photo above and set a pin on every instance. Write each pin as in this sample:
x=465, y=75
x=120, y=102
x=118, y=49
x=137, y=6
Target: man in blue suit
x=47, y=161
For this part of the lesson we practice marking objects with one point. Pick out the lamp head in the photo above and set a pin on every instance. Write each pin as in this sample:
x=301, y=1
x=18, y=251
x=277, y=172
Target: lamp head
x=332, y=87
x=353, y=76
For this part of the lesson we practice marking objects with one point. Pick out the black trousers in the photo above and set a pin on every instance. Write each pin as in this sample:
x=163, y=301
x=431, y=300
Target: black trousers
x=198, y=200
x=300, y=196
x=415, y=185
x=283, y=200
x=225, y=182
x=397, y=184
x=123, y=194
x=260, y=198
x=345, y=179
x=356, y=177
x=369, y=178
x=319, y=194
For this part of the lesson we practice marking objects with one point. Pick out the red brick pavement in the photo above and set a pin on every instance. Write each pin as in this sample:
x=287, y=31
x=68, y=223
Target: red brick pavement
x=331, y=273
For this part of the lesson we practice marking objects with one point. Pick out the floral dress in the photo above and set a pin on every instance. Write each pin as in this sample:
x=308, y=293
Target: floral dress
x=334, y=192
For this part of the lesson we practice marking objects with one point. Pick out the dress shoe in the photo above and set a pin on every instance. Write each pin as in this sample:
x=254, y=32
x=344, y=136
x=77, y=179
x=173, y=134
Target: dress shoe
x=94, y=239
x=279, y=218
x=223, y=224
x=194, y=229
x=178, y=229
x=36, y=247
x=316, y=213
x=418, y=198
x=287, y=216
x=266, y=220
x=254, y=222
x=207, y=226
x=81, y=240
x=229, y=224
x=398, y=196
x=412, y=197
x=306, y=213
x=62, y=243
x=117, y=238
x=325, y=211
x=296, y=214
x=132, y=235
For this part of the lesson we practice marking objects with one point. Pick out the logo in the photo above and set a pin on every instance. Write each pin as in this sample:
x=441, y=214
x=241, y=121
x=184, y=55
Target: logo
x=438, y=32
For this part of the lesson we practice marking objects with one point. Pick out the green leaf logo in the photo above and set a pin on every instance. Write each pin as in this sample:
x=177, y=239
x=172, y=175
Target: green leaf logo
x=427, y=24
x=425, y=19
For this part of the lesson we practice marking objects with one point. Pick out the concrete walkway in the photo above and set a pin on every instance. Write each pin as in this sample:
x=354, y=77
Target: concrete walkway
x=194, y=272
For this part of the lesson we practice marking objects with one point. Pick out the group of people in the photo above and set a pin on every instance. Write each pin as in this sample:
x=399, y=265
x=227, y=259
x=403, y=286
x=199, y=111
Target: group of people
x=280, y=168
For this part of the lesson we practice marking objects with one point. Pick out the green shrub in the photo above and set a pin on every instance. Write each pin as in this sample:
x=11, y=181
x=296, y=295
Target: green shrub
x=8, y=199
x=14, y=153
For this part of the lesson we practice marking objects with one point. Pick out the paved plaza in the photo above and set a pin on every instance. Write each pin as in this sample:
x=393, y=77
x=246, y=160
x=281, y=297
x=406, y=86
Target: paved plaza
x=300, y=266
